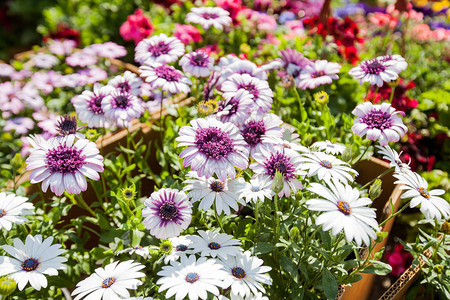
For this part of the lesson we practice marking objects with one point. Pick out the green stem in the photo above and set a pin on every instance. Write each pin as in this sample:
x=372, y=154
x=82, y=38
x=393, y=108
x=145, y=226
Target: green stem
x=218, y=218
x=80, y=201
x=393, y=215
x=303, y=114
x=437, y=247
x=277, y=220
x=392, y=94
x=378, y=177
x=362, y=155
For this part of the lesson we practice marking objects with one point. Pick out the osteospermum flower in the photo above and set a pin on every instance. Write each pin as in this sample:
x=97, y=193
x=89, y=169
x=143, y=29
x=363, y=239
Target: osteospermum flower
x=234, y=65
x=259, y=89
x=416, y=188
x=63, y=164
x=291, y=139
x=198, y=64
x=235, y=109
x=225, y=194
x=376, y=71
x=273, y=158
x=44, y=61
x=213, y=148
x=166, y=77
x=211, y=243
x=294, y=62
x=191, y=278
x=393, y=157
x=245, y=275
x=12, y=210
x=31, y=261
x=167, y=212
x=159, y=48
x=180, y=246
x=326, y=166
x=122, y=107
x=257, y=190
x=397, y=62
x=88, y=106
x=318, y=73
x=139, y=250
x=329, y=147
x=343, y=208
x=378, y=122
x=128, y=82
x=209, y=16
x=111, y=282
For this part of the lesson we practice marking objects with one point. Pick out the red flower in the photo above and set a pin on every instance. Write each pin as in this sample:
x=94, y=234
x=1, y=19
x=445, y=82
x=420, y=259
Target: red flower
x=399, y=260
x=187, y=34
x=399, y=101
x=137, y=27
x=63, y=32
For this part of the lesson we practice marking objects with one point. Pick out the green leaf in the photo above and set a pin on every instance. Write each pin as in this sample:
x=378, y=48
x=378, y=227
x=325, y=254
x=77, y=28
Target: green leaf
x=290, y=267
x=378, y=268
x=329, y=284
x=102, y=220
x=263, y=248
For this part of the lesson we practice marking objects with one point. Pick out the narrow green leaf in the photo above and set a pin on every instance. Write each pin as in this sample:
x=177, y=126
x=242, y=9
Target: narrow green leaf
x=329, y=284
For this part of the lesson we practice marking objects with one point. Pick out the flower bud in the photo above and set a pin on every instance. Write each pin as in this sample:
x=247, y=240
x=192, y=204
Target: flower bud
x=278, y=182
x=294, y=233
x=439, y=269
x=445, y=227
x=375, y=189
x=321, y=97
x=380, y=236
x=165, y=247
x=7, y=286
x=347, y=156
x=17, y=161
x=128, y=193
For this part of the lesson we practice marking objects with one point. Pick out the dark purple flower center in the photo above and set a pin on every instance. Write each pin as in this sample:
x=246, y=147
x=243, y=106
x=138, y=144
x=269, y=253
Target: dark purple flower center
x=168, y=211
x=67, y=125
x=159, y=49
x=63, y=159
x=181, y=248
x=344, y=207
x=122, y=101
x=233, y=103
x=253, y=131
x=217, y=186
x=377, y=119
x=169, y=73
x=279, y=162
x=30, y=264
x=238, y=272
x=2, y=213
x=373, y=66
x=192, y=277
x=326, y=164
x=213, y=142
x=214, y=246
x=318, y=74
x=251, y=88
x=385, y=58
x=108, y=282
x=124, y=86
x=199, y=60
x=423, y=192
x=95, y=104
x=209, y=16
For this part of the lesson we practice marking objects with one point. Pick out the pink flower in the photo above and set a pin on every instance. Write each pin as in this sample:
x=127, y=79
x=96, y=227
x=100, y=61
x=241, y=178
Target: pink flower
x=187, y=34
x=137, y=27
x=381, y=19
x=422, y=32
x=399, y=260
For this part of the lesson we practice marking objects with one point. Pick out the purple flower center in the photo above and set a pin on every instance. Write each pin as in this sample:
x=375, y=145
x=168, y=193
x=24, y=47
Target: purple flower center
x=209, y=16
x=253, y=131
x=124, y=86
x=169, y=73
x=385, y=58
x=214, y=246
x=279, y=162
x=108, y=282
x=423, y=192
x=67, y=125
x=251, y=88
x=217, y=186
x=373, y=66
x=159, y=49
x=326, y=164
x=30, y=264
x=213, y=142
x=95, y=104
x=377, y=119
x=233, y=103
x=192, y=277
x=122, y=101
x=2, y=213
x=316, y=74
x=344, y=207
x=181, y=248
x=238, y=272
x=63, y=159
x=168, y=211
x=199, y=60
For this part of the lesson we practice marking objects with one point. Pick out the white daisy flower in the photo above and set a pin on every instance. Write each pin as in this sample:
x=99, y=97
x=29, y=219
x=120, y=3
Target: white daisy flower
x=198, y=64
x=291, y=139
x=122, y=107
x=12, y=210
x=245, y=275
x=159, y=48
x=191, y=278
x=318, y=73
x=212, y=243
x=32, y=261
x=180, y=246
x=393, y=157
x=376, y=71
x=209, y=16
x=416, y=186
x=166, y=77
x=329, y=147
x=139, y=250
x=343, y=208
x=111, y=282
x=63, y=164
x=326, y=166
x=257, y=190
x=128, y=82
x=258, y=296
x=139, y=298
x=225, y=194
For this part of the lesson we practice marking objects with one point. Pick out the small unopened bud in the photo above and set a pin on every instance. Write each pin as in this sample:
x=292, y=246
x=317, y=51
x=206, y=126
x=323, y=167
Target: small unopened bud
x=347, y=156
x=7, y=286
x=321, y=97
x=445, y=227
x=294, y=233
x=375, y=189
x=394, y=83
x=128, y=193
x=439, y=269
x=278, y=182
x=380, y=236
x=135, y=222
x=17, y=161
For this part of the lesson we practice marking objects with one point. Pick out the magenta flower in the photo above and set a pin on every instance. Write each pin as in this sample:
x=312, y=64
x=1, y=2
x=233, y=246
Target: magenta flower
x=21, y=125
x=198, y=64
x=187, y=33
x=318, y=73
x=61, y=47
x=81, y=59
x=236, y=109
x=108, y=49
x=159, y=48
x=128, y=82
x=122, y=107
x=378, y=122
x=378, y=70
x=166, y=77
x=209, y=16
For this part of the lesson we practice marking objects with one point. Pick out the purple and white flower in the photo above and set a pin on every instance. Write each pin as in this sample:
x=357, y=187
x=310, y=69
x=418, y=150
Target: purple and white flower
x=63, y=165
x=215, y=244
x=122, y=107
x=44, y=61
x=128, y=82
x=61, y=47
x=291, y=139
x=259, y=89
x=90, y=75
x=329, y=147
x=6, y=70
x=13, y=208
x=293, y=62
x=376, y=71
x=273, y=158
x=318, y=73
x=108, y=49
x=379, y=122
x=198, y=64
x=159, y=48
x=166, y=77
x=21, y=125
x=209, y=16
x=81, y=59
x=235, y=109
x=327, y=166
x=398, y=62
x=167, y=212
x=213, y=148
x=234, y=65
